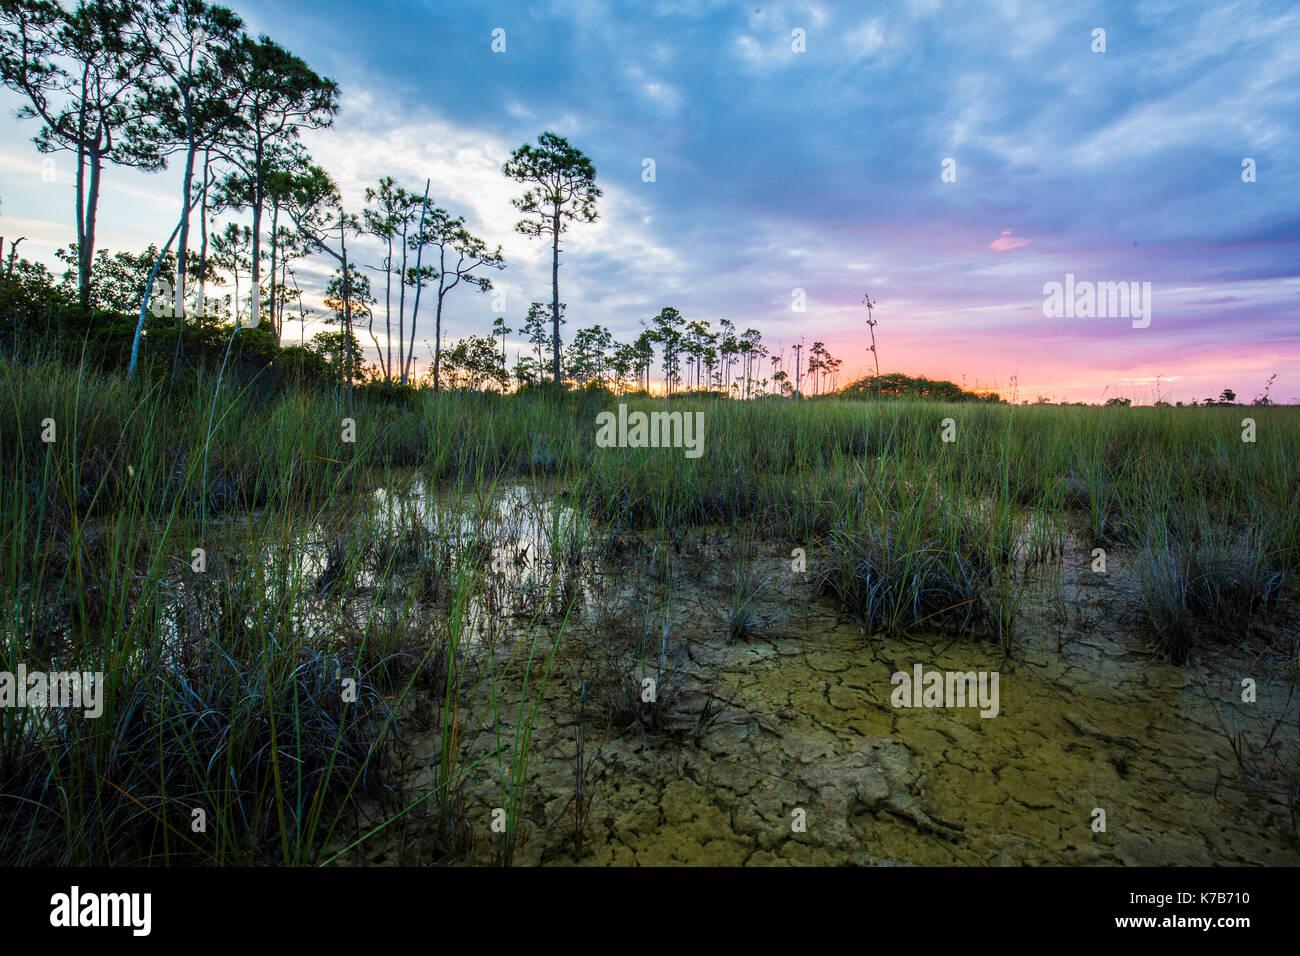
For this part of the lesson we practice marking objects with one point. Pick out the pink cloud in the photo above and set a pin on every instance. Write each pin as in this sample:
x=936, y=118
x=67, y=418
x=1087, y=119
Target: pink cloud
x=1007, y=241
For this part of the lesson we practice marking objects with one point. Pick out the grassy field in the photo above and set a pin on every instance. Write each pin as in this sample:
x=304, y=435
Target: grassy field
x=268, y=627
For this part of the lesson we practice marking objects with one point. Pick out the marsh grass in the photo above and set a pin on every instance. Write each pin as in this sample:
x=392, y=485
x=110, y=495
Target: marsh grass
x=746, y=616
x=630, y=642
x=223, y=687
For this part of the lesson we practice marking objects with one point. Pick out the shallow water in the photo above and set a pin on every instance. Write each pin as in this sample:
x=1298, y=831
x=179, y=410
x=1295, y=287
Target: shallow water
x=509, y=539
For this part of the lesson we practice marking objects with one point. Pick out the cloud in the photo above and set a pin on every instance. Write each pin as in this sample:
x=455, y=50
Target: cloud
x=1007, y=241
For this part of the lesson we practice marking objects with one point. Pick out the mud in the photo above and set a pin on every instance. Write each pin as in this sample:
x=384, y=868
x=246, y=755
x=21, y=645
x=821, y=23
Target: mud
x=787, y=749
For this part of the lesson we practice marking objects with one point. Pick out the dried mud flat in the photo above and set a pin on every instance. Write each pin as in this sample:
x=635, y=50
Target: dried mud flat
x=1088, y=720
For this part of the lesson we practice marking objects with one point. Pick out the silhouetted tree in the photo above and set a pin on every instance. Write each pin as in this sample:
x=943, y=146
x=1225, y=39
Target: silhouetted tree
x=316, y=208
x=563, y=190
x=282, y=95
x=195, y=101
x=82, y=72
x=395, y=213
x=460, y=255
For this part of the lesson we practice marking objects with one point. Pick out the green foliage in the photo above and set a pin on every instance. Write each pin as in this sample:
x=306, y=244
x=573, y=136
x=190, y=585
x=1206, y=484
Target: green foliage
x=898, y=385
x=474, y=363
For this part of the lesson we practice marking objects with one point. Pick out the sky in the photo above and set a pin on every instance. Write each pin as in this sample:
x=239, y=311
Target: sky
x=953, y=160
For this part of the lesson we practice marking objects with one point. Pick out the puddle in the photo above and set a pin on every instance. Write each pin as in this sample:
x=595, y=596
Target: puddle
x=403, y=545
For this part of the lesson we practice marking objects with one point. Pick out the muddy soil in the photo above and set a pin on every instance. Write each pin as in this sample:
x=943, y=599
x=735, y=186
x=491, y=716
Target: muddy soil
x=788, y=750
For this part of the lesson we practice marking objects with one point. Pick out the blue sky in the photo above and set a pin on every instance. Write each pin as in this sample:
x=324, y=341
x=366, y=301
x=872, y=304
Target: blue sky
x=821, y=170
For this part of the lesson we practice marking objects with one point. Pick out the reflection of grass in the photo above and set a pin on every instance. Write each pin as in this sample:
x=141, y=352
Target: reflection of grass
x=223, y=688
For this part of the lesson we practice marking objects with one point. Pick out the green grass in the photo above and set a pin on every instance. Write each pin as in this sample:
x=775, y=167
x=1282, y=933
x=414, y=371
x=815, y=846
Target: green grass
x=223, y=687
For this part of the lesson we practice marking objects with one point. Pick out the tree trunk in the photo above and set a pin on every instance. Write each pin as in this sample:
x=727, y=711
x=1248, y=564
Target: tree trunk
x=388, y=310
x=87, y=251
x=83, y=275
x=419, y=285
x=437, y=336
x=182, y=241
x=182, y=252
x=255, y=282
x=83, y=282
x=203, y=241
x=347, y=312
x=148, y=289
x=275, y=240
x=401, y=312
x=555, y=291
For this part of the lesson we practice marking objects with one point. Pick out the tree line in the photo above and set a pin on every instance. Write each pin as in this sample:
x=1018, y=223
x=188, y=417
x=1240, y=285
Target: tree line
x=146, y=84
